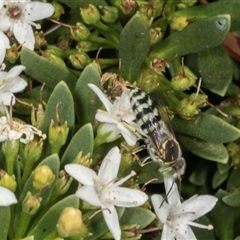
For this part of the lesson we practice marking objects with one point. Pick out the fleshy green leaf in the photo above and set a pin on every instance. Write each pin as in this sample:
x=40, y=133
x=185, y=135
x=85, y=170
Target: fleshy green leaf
x=203, y=233
x=219, y=178
x=234, y=179
x=213, y=9
x=82, y=141
x=232, y=199
x=87, y=101
x=199, y=175
x=211, y=151
x=223, y=167
x=223, y=218
x=215, y=67
x=48, y=222
x=196, y=37
x=207, y=127
x=61, y=97
x=5, y=216
x=44, y=71
x=140, y=216
x=133, y=47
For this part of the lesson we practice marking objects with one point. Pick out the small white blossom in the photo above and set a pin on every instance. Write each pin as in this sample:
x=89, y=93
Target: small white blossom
x=119, y=116
x=17, y=17
x=11, y=83
x=6, y=197
x=103, y=190
x=177, y=217
x=12, y=130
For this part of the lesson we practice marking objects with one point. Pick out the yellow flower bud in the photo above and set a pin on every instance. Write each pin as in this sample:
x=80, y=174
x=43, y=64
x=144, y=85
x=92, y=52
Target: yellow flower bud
x=42, y=176
x=179, y=23
x=90, y=14
x=8, y=181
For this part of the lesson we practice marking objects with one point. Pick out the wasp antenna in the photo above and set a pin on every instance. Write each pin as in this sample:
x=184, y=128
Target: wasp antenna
x=168, y=192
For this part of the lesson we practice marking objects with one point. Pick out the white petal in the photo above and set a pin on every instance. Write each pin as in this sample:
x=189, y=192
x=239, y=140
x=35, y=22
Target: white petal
x=2, y=137
x=124, y=102
x=111, y=219
x=125, y=197
x=161, y=207
x=36, y=11
x=6, y=197
x=24, y=34
x=5, y=40
x=128, y=135
x=2, y=51
x=183, y=231
x=172, y=192
x=82, y=174
x=89, y=195
x=7, y=98
x=110, y=165
x=5, y=22
x=105, y=117
x=107, y=104
x=197, y=206
x=167, y=233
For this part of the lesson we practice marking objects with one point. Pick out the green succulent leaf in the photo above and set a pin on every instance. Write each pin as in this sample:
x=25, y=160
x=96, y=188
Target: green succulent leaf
x=44, y=71
x=198, y=36
x=234, y=179
x=219, y=178
x=213, y=9
x=216, y=69
x=207, y=127
x=133, y=47
x=199, y=175
x=210, y=151
x=223, y=229
x=5, y=217
x=232, y=199
x=61, y=97
x=140, y=216
x=87, y=102
x=82, y=141
x=48, y=222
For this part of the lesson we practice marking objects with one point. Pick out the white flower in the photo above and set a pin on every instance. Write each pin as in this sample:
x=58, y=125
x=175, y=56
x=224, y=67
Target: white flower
x=4, y=44
x=10, y=83
x=103, y=191
x=18, y=16
x=118, y=116
x=12, y=130
x=176, y=216
x=6, y=197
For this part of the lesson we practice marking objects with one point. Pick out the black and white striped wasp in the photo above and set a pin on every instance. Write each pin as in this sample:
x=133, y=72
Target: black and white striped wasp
x=157, y=133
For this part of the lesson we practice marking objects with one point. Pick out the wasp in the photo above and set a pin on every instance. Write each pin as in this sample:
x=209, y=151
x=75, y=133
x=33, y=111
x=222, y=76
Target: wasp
x=157, y=133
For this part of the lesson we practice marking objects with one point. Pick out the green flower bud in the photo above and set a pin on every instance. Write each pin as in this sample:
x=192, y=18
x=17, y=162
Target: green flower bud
x=57, y=136
x=31, y=151
x=149, y=80
x=31, y=204
x=42, y=177
x=62, y=184
x=53, y=58
x=147, y=9
x=37, y=117
x=7, y=181
x=158, y=7
x=155, y=35
x=179, y=23
x=191, y=76
x=58, y=10
x=236, y=161
x=55, y=50
x=180, y=83
x=90, y=14
x=148, y=20
x=86, y=46
x=70, y=223
x=159, y=65
x=79, y=60
x=84, y=160
x=199, y=99
x=64, y=42
x=79, y=32
x=233, y=149
x=129, y=7
x=181, y=6
x=109, y=14
x=187, y=109
x=12, y=54
x=40, y=41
